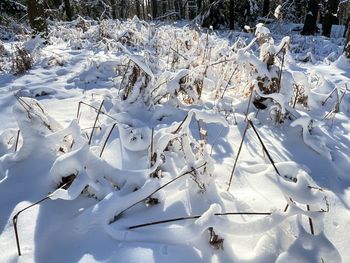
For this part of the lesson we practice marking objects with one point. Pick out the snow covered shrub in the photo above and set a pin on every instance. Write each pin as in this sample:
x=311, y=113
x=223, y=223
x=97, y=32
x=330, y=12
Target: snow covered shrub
x=161, y=143
x=82, y=23
x=21, y=61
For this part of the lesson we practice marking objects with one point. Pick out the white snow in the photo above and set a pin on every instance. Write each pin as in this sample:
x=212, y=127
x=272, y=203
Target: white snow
x=175, y=139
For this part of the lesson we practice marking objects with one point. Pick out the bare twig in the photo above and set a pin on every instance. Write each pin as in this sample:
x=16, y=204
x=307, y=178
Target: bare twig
x=161, y=187
x=330, y=96
x=239, y=151
x=98, y=114
x=120, y=86
x=96, y=109
x=180, y=125
x=109, y=134
x=280, y=73
x=152, y=157
x=17, y=138
x=264, y=148
x=233, y=73
x=202, y=82
x=15, y=217
x=250, y=100
x=310, y=222
x=296, y=95
x=178, y=53
x=198, y=216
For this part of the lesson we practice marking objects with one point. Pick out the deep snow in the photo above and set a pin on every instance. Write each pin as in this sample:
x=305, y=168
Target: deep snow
x=150, y=77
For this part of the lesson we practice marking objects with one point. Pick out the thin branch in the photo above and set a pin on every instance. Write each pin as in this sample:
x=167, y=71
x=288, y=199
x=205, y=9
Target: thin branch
x=264, y=148
x=178, y=53
x=161, y=187
x=281, y=69
x=198, y=216
x=239, y=152
x=180, y=125
x=16, y=145
x=98, y=114
x=15, y=217
x=152, y=161
x=234, y=71
x=96, y=109
x=310, y=222
x=109, y=134
x=120, y=86
x=248, y=106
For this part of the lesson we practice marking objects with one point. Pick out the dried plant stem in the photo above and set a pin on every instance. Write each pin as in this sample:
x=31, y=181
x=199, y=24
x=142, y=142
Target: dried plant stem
x=264, y=148
x=78, y=111
x=15, y=220
x=105, y=143
x=198, y=216
x=127, y=68
x=233, y=73
x=280, y=73
x=250, y=100
x=93, y=129
x=296, y=96
x=164, y=82
x=330, y=96
x=288, y=199
x=310, y=222
x=15, y=217
x=17, y=138
x=220, y=62
x=152, y=161
x=164, y=185
x=203, y=77
x=336, y=107
x=93, y=107
x=177, y=52
x=180, y=125
x=239, y=152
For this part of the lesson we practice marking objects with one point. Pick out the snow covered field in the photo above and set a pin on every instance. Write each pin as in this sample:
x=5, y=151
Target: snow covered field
x=135, y=123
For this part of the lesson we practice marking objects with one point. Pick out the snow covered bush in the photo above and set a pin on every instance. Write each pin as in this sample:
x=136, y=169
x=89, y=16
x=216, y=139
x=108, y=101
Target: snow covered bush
x=162, y=110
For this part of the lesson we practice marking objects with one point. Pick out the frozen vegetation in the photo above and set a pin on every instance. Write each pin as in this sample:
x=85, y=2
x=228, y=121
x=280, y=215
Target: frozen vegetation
x=240, y=140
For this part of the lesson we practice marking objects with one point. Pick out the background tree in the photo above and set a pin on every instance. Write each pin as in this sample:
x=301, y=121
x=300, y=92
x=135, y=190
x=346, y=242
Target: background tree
x=347, y=41
x=36, y=17
x=266, y=7
x=331, y=8
x=310, y=26
x=232, y=14
x=68, y=10
x=154, y=8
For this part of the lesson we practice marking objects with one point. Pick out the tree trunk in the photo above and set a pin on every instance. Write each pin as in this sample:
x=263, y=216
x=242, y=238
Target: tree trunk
x=232, y=14
x=299, y=11
x=199, y=5
x=310, y=26
x=143, y=10
x=68, y=10
x=329, y=19
x=36, y=17
x=347, y=42
x=122, y=9
x=154, y=8
x=138, y=11
x=114, y=11
x=266, y=7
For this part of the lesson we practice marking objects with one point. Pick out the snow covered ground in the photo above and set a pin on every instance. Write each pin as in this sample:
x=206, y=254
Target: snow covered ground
x=170, y=105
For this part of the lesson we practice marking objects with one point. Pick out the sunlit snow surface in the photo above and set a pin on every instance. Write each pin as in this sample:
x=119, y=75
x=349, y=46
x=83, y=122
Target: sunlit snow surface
x=150, y=77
